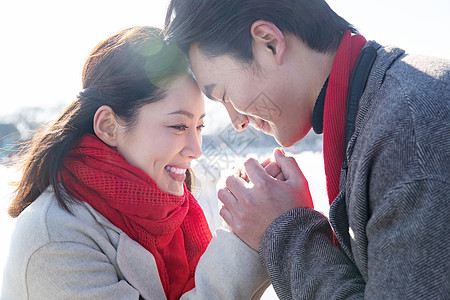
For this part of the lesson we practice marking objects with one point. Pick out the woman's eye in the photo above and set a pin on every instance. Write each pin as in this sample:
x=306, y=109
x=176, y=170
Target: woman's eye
x=200, y=127
x=180, y=127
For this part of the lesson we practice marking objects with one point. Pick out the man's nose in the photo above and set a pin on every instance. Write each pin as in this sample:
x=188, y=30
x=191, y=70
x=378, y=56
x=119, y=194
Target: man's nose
x=239, y=121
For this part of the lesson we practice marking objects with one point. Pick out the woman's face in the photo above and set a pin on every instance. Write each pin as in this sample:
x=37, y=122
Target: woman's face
x=167, y=136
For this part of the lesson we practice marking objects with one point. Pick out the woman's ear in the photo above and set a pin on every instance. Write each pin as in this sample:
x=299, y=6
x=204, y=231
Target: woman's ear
x=106, y=126
x=268, y=39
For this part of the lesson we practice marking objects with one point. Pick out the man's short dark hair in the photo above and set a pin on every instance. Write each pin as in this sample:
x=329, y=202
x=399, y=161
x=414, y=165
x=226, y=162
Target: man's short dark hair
x=223, y=26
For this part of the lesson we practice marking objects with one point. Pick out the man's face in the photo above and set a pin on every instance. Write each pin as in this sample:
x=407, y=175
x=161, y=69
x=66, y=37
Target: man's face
x=262, y=95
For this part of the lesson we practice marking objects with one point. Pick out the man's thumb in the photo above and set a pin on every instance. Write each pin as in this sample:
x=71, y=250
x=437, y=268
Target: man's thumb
x=288, y=165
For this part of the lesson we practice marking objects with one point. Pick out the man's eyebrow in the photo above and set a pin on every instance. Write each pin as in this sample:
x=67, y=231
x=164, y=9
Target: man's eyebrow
x=208, y=89
x=185, y=113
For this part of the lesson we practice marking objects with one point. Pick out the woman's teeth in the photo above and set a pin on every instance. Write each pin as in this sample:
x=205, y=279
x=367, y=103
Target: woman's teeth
x=176, y=170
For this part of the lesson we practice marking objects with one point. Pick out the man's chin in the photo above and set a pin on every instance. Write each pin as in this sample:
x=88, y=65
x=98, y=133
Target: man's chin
x=281, y=140
x=285, y=141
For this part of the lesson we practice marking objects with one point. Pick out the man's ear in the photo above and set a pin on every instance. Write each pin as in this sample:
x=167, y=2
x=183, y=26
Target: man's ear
x=269, y=38
x=106, y=126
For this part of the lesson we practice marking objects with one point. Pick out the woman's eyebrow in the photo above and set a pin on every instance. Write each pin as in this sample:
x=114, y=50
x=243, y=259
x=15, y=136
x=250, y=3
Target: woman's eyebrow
x=185, y=113
x=182, y=112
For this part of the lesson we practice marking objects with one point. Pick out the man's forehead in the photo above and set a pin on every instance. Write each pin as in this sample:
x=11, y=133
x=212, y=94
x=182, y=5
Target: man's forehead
x=196, y=55
x=201, y=61
x=199, y=64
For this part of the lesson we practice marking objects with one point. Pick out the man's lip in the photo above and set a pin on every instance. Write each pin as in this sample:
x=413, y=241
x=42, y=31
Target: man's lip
x=261, y=126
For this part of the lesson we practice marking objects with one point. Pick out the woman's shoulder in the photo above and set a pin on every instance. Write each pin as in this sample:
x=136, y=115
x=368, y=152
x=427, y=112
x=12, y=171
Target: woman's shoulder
x=50, y=244
x=31, y=226
x=46, y=221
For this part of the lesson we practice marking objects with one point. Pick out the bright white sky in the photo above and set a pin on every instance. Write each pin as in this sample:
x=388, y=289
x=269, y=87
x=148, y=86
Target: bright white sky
x=44, y=43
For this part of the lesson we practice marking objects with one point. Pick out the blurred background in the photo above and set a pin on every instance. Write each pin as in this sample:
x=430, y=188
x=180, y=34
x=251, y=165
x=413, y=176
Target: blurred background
x=44, y=44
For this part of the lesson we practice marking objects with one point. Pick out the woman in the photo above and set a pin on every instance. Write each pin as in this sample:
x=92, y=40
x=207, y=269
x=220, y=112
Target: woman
x=103, y=207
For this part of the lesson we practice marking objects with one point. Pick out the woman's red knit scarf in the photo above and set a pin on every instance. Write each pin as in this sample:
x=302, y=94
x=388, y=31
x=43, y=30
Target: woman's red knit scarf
x=172, y=228
x=334, y=110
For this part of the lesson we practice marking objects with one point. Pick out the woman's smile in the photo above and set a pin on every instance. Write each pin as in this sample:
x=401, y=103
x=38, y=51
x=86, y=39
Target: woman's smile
x=167, y=136
x=178, y=174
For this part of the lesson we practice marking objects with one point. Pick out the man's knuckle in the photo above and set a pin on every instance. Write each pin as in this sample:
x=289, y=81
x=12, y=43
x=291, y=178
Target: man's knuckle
x=291, y=159
x=221, y=193
x=229, y=181
x=249, y=162
x=265, y=185
x=238, y=228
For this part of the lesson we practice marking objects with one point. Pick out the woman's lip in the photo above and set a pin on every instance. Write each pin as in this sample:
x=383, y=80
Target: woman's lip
x=183, y=166
x=176, y=176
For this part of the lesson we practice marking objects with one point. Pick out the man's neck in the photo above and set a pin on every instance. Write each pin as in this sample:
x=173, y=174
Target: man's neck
x=310, y=67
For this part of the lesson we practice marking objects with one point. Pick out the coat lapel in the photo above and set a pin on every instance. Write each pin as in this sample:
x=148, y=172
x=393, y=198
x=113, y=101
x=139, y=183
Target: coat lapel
x=339, y=222
x=138, y=267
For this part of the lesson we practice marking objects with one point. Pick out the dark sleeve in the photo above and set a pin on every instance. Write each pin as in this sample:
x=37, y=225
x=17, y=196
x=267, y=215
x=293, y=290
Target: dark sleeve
x=408, y=245
x=407, y=249
x=302, y=261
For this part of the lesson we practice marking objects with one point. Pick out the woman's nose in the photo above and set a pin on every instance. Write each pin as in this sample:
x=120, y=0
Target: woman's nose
x=193, y=147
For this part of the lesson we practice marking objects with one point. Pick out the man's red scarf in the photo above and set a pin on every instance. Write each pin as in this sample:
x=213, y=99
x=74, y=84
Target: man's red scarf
x=334, y=110
x=172, y=228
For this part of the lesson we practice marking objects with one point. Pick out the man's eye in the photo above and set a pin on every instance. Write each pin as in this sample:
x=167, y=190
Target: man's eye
x=200, y=127
x=180, y=127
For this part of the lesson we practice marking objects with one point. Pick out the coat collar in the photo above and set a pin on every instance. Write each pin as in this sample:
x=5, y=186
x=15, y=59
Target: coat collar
x=136, y=265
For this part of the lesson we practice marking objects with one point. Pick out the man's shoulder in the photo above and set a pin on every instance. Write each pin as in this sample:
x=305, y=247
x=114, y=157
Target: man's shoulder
x=400, y=81
x=420, y=76
x=435, y=67
x=404, y=109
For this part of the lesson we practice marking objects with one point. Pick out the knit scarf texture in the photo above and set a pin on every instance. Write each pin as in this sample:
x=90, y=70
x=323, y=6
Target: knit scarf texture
x=172, y=228
x=335, y=107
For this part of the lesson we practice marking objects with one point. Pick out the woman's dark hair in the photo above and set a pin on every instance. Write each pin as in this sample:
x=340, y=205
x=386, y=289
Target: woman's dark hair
x=223, y=26
x=126, y=71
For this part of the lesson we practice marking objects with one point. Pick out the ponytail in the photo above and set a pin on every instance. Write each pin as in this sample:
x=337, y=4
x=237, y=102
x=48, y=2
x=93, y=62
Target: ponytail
x=43, y=156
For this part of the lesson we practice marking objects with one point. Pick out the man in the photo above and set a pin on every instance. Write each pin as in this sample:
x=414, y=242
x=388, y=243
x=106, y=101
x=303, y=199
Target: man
x=385, y=117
